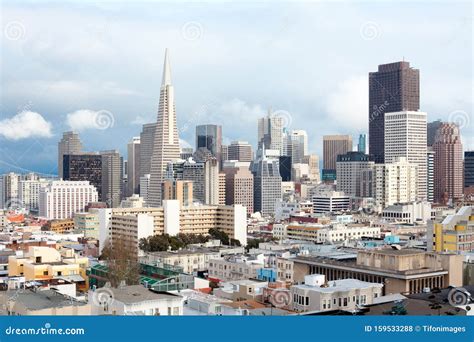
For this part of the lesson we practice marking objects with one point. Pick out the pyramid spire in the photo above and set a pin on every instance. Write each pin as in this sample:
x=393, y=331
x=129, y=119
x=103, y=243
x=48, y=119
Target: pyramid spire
x=166, y=70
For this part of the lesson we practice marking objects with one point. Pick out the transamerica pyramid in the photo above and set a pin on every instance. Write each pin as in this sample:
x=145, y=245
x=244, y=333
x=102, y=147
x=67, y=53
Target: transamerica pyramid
x=166, y=145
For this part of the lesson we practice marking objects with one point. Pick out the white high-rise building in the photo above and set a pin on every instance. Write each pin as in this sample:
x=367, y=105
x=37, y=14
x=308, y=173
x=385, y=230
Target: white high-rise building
x=144, y=187
x=166, y=147
x=133, y=166
x=299, y=145
x=29, y=190
x=405, y=136
x=270, y=132
x=61, y=199
x=395, y=183
x=10, y=190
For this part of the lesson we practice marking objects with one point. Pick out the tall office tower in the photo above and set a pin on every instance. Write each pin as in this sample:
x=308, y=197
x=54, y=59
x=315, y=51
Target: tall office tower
x=270, y=132
x=112, y=171
x=133, y=166
x=349, y=168
x=2, y=194
x=28, y=191
x=222, y=188
x=205, y=178
x=166, y=146
x=181, y=190
x=61, y=199
x=186, y=153
x=144, y=186
x=299, y=146
x=395, y=182
x=362, y=144
x=147, y=139
x=430, y=160
x=238, y=184
x=334, y=145
x=10, y=191
x=224, y=153
x=84, y=167
x=405, y=136
x=240, y=150
x=394, y=87
x=448, y=163
x=69, y=144
x=210, y=138
x=432, y=127
x=284, y=165
x=267, y=186
x=211, y=181
x=468, y=168
x=313, y=162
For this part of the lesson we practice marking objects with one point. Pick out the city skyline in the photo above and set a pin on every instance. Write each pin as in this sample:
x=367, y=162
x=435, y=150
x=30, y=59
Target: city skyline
x=125, y=106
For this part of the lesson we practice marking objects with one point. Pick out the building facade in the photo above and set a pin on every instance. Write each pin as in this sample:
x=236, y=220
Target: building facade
x=405, y=136
x=393, y=87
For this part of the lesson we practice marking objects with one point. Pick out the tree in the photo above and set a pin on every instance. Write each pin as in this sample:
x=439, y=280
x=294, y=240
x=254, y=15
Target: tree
x=160, y=243
x=121, y=257
x=219, y=235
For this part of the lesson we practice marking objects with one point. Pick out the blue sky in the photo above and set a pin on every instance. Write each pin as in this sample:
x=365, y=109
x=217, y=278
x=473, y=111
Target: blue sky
x=62, y=62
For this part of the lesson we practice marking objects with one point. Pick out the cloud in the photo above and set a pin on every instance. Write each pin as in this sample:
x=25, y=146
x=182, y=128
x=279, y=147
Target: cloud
x=347, y=106
x=84, y=119
x=26, y=124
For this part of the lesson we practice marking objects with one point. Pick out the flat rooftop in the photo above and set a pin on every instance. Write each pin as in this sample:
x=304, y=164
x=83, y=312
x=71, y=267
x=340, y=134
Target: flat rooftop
x=42, y=299
x=339, y=285
x=138, y=293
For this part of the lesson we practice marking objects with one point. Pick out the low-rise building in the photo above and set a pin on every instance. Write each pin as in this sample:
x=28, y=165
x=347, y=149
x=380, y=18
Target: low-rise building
x=455, y=233
x=43, y=303
x=87, y=223
x=414, y=212
x=403, y=271
x=235, y=267
x=346, y=294
x=45, y=264
x=334, y=233
x=134, y=300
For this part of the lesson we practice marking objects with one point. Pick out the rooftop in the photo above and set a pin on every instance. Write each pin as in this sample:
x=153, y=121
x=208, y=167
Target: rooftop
x=339, y=285
x=137, y=293
x=40, y=300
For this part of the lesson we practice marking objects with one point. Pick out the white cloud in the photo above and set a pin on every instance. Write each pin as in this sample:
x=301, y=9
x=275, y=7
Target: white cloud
x=347, y=106
x=26, y=124
x=84, y=119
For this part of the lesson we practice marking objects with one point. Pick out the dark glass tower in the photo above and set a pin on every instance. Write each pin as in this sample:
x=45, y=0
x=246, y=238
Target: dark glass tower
x=393, y=88
x=84, y=167
x=209, y=137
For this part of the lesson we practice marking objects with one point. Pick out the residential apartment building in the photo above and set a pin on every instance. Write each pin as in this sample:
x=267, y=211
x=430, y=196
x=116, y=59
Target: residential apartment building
x=454, y=233
x=61, y=199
